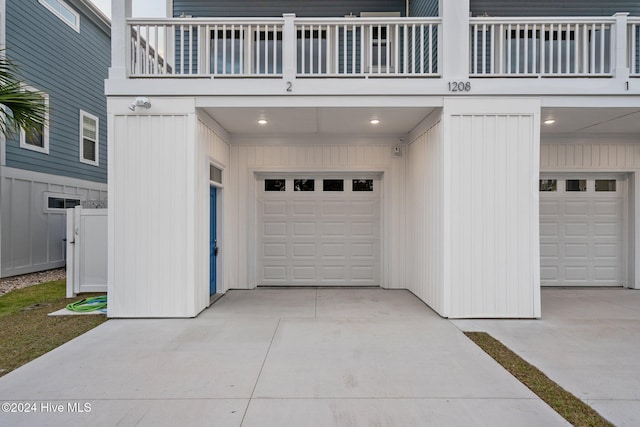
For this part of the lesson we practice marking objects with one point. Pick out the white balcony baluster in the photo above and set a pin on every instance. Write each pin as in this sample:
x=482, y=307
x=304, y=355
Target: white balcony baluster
x=381, y=47
x=568, y=47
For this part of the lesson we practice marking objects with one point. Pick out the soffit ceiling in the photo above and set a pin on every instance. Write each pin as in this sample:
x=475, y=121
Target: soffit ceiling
x=400, y=120
x=584, y=121
x=304, y=120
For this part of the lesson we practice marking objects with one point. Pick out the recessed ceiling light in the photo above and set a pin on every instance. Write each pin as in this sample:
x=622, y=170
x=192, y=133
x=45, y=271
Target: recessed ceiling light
x=374, y=121
x=549, y=121
x=262, y=122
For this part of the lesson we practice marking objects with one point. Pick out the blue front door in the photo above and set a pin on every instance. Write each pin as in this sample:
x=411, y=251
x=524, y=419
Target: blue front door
x=213, y=242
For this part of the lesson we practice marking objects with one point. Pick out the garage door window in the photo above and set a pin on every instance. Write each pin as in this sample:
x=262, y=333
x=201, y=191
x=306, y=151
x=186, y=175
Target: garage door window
x=548, y=185
x=362, y=185
x=606, y=185
x=304, y=185
x=332, y=185
x=576, y=185
x=274, y=185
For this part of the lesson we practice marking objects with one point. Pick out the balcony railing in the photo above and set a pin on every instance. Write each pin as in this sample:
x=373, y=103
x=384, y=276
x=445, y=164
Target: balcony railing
x=380, y=47
x=203, y=47
x=547, y=47
x=634, y=46
x=367, y=47
x=343, y=47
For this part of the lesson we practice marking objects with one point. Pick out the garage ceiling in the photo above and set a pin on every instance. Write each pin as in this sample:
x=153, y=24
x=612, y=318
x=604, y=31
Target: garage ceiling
x=591, y=121
x=334, y=120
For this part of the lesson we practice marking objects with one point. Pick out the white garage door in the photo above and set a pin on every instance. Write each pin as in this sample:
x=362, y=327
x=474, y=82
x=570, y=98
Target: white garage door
x=319, y=231
x=582, y=237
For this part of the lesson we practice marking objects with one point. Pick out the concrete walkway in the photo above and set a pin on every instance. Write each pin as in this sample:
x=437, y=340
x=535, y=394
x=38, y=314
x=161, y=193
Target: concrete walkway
x=296, y=357
x=588, y=341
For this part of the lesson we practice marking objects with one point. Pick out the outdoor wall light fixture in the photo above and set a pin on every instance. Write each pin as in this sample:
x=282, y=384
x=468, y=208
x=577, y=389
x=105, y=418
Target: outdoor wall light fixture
x=141, y=101
x=262, y=122
x=549, y=121
x=374, y=121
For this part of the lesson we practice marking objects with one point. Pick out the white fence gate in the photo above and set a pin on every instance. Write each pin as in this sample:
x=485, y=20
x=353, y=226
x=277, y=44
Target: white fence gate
x=86, y=250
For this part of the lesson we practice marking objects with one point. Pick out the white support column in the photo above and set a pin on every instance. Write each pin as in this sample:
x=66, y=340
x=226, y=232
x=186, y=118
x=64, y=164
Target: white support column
x=155, y=261
x=619, y=49
x=491, y=208
x=289, y=48
x=453, y=39
x=120, y=39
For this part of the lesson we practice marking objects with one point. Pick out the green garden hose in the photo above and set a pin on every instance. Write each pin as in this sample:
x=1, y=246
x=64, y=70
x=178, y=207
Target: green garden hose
x=89, y=304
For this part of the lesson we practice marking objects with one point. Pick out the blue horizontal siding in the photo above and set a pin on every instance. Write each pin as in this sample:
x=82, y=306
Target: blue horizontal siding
x=71, y=68
x=423, y=8
x=262, y=8
x=426, y=8
x=554, y=7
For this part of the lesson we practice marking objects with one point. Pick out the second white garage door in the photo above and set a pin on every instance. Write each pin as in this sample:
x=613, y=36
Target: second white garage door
x=319, y=231
x=582, y=225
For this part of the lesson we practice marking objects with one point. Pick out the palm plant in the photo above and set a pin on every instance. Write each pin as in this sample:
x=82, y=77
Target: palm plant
x=23, y=109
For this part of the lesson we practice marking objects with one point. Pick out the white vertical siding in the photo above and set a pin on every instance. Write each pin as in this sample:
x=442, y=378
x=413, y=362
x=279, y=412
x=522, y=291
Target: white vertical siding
x=491, y=183
x=424, y=217
x=152, y=212
x=315, y=154
x=603, y=153
x=31, y=235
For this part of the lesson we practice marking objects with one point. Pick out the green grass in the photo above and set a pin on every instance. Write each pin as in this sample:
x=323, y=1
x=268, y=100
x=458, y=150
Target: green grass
x=26, y=332
x=13, y=302
x=564, y=403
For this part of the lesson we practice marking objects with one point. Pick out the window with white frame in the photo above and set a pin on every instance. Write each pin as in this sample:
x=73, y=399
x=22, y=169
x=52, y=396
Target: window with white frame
x=380, y=51
x=244, y=51
x=312, y=51
x=560, y=50
x=37, y=139
x=56, y=202
x=380, y=44
x=227, y=51
x=63, y=11
x=89, y=149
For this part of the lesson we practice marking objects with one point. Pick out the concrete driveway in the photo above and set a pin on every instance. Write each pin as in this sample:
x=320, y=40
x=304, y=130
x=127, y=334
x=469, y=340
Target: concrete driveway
x=295, y=357
x=588, y=341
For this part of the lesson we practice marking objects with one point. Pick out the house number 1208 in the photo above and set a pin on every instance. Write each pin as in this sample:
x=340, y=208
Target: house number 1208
x=459, y=86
